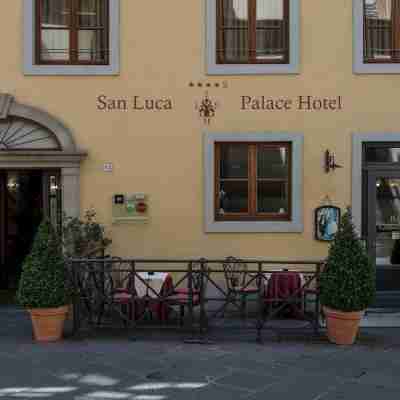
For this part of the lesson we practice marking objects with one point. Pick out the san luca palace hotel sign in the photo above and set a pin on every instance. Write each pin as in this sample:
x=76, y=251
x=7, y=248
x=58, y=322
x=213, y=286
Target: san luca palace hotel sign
x=301, y=103
x=247, y=103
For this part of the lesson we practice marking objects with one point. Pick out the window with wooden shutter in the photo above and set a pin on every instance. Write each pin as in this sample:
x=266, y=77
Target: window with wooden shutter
x=252, y=31
x=253, y=181
x=72, y=32
x=381, y=31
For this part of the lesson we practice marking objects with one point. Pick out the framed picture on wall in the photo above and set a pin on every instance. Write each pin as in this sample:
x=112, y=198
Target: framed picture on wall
x=327, y=219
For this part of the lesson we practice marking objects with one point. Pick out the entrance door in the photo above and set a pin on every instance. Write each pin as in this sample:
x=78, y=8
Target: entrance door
x=25, y=198
x=383, y=234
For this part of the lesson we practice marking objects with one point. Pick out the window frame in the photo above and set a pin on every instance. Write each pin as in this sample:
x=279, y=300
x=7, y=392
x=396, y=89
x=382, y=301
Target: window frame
x=252, y=32
x=214, y=68
x=360, y=65
x=73, y=30
x=252, y=180
x=31, y=67
x=213, y=225
x=395, y=39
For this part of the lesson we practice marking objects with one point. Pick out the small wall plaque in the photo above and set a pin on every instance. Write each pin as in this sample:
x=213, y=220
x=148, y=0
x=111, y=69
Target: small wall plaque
x=130, y=208
x=327, y=219
x=119, y=199
x=108, y=167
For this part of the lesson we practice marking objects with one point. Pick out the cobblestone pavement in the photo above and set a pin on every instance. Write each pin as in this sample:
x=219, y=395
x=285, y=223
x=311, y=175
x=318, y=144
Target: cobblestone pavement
x=158, y=367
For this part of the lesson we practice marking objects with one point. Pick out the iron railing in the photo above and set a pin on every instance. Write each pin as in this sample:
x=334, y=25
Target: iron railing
x=197, y=295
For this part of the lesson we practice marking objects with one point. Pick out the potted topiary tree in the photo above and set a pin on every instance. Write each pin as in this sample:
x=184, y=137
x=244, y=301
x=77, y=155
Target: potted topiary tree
x=347, y=283
x=43, y=287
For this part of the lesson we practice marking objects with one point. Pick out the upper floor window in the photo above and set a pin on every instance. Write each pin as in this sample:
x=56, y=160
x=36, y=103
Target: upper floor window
x=72, y=32
x=382, y=31
x=253, y=37
x=376, y=26
x=253, y=31
x=71, y=37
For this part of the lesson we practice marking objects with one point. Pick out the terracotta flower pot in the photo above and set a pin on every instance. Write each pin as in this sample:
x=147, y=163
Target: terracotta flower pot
x=342, y=326
x=48, y=323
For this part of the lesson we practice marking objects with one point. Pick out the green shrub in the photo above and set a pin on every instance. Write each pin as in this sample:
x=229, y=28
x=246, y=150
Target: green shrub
x=44, y=282
x=84, y=238
x=348, y=280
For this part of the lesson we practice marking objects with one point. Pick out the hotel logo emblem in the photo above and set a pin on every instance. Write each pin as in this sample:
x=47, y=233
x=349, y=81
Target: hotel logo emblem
x=207, y=109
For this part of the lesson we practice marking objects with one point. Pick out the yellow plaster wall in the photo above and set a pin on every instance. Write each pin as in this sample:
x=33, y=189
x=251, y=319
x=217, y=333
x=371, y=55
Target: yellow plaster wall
x=160, y=153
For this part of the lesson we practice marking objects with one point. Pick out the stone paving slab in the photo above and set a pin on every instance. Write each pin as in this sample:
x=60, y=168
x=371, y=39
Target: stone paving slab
x=158, y=367
x=300, y=387
x=251, y=381
x=364, y=392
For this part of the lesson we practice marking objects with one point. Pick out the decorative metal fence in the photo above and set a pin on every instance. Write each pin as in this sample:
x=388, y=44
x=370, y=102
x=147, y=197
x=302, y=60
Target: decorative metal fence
x=195, y=295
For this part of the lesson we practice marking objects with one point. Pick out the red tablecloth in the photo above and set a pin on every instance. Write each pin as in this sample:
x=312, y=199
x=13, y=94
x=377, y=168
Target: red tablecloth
x=153, y=303
x=282, y=286
x=159, y=306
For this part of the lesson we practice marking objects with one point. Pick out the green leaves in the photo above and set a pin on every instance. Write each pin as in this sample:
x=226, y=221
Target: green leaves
x=348, y=280
x=83, y=238
x=44, y=282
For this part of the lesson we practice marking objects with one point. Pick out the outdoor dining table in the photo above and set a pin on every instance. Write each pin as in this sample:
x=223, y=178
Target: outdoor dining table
x=285, y=286
x=151, y=285
x=150, y=289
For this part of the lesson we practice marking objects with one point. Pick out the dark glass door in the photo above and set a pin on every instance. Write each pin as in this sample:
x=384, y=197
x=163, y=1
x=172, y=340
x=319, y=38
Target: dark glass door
x=383, y=237
x=25, y=198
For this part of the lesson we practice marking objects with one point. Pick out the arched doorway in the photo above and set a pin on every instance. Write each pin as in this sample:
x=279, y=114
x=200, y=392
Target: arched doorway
x=39, y=177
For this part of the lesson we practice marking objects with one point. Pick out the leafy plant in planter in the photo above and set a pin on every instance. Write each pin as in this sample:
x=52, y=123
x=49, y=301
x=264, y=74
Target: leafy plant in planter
x=84, y=238
x=43, y=287
x=347, y=283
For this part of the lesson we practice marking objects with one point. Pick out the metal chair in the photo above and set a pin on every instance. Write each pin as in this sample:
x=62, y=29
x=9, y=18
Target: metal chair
x=118, y=290
x=181, y=297
x=237, y=282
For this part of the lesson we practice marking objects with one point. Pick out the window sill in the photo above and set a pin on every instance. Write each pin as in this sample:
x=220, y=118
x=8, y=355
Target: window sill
x=252, y=69
x=253, y=227
x=31, y=69
x=376, y=68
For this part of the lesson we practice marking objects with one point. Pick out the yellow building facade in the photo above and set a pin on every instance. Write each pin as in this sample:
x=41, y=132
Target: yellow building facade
x=139, y=128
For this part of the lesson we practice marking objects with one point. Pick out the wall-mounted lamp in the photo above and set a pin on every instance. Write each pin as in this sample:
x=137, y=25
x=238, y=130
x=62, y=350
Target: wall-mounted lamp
x=330, y=163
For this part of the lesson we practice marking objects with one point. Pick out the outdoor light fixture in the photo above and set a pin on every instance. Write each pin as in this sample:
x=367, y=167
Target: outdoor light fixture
x=12, y=185
x=330, y=163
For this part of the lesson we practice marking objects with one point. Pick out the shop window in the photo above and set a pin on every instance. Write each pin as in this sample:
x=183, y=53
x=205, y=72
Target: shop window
x=71, y=37
x=252, y=36
x=377, y=36
x=253, y=182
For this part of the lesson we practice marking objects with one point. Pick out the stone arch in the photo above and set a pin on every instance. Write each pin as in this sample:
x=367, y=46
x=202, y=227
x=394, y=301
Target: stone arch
x=10, y=109
x=39, y=140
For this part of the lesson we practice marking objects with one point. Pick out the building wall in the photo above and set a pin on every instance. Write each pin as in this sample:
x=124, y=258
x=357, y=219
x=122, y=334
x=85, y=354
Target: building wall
x=160, y=153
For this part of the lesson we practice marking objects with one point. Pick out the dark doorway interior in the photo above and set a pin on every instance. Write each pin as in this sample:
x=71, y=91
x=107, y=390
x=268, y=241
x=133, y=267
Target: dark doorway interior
x=25, y=198
x=381, y=219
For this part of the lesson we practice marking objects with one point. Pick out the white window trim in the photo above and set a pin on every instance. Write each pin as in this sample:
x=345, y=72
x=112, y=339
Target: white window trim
x=359, y=67
x=251, y=69
x=30, y=68
x=213, y=226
